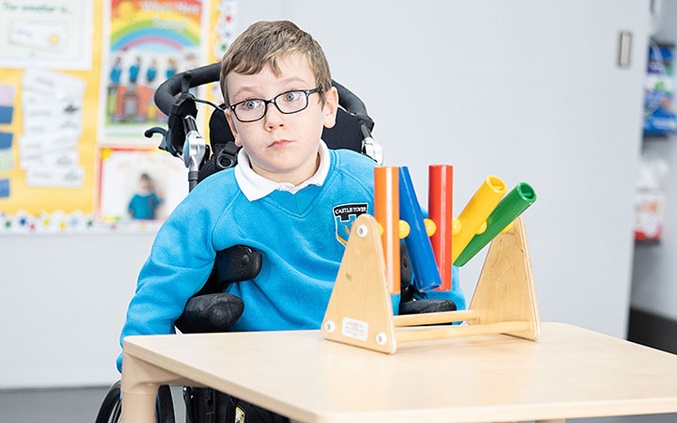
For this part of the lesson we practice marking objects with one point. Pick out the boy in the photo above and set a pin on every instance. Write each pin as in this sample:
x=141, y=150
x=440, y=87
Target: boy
x=282, y=199
x=289, y=197
x=145, y=202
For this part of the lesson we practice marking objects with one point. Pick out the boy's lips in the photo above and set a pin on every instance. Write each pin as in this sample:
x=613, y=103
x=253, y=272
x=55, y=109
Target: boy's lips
x=280, y=143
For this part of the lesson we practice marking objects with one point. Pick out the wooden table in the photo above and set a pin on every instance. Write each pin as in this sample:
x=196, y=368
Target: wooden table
x=569, y=373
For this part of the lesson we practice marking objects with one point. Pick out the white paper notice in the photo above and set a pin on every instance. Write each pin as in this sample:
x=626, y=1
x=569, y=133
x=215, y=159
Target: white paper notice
x=33, y=147
x=55, y=177
x=54, y=34
x=52, y=128
x=48, y=37
x=53, y=84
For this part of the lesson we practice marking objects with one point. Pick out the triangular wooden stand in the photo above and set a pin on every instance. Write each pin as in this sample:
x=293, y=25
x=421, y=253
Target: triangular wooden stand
x=360, y=308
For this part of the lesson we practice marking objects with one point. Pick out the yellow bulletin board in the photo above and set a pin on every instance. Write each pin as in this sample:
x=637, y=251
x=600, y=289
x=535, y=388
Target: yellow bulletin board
x=58, y=62
x=36, y=199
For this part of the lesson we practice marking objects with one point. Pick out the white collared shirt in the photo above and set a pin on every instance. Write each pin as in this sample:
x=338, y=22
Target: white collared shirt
x=255, y=186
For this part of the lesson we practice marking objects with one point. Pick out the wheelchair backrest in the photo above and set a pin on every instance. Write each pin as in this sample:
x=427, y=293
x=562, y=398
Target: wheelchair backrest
x=352, y=130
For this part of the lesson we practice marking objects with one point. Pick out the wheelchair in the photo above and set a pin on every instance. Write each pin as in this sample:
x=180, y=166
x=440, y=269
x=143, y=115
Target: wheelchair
x=212, y=310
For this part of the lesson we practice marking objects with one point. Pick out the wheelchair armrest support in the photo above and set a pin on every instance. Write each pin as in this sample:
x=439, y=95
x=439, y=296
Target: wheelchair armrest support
x=210, y=313
x=235, y=264
x=211, y=309
x=408, y=304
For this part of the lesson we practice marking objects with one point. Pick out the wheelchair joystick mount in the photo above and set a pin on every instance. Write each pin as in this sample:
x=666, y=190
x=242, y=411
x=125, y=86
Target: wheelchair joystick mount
x=194, y=150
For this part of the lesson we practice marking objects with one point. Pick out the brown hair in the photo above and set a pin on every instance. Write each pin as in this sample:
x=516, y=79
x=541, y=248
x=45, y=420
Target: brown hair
x=263, y=42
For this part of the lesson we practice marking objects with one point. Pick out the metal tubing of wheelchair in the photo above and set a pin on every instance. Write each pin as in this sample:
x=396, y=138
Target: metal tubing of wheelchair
x=164, y=95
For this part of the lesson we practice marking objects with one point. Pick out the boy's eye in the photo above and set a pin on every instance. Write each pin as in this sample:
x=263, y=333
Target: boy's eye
x=292, y=96
x=250, y=104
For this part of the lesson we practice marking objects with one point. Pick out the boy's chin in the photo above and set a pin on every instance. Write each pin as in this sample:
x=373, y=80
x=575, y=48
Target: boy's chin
x=289, y=174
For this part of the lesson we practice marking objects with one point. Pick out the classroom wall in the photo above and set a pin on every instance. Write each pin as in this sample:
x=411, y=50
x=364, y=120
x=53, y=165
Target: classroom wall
x=62, y=304
x=526, y=90
x=492, y=87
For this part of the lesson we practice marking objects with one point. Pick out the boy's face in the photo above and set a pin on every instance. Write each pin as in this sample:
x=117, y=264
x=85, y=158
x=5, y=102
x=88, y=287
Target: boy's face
x=282, y=147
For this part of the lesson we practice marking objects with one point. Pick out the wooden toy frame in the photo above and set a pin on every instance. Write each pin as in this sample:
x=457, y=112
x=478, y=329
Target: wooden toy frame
x=360, y=308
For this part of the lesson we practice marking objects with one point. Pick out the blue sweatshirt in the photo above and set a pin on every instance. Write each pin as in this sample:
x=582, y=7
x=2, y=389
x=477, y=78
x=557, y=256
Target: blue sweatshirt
x=301, y=238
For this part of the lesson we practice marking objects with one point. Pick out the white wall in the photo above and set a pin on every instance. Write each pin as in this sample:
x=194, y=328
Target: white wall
x=526, y=90
x=62, y=304
x=654, y=289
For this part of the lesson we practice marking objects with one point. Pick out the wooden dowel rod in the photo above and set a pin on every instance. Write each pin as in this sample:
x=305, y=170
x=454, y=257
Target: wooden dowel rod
x=433, y=318
x=457, y=331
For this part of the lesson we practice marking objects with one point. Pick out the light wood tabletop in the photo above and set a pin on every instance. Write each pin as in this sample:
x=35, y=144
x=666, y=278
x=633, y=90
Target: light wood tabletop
x=569, y=372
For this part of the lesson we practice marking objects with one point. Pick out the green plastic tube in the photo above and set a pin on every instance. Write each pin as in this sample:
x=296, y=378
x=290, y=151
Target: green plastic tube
x=512, y=205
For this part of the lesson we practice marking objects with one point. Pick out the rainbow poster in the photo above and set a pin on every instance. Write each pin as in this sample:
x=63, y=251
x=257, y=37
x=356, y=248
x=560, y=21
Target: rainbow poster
x=149, y=41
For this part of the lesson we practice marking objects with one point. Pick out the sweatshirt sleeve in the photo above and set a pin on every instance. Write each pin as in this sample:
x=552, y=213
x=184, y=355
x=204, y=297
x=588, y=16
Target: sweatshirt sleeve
x=179, y=264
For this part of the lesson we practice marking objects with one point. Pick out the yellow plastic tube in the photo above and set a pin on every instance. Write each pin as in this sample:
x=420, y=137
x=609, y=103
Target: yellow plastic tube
x=475, y=213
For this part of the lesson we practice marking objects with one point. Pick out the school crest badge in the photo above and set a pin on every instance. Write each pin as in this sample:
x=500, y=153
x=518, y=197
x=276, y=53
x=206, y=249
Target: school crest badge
x=344, y=216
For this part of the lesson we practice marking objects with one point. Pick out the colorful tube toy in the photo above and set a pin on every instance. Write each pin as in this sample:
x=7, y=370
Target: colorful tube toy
x=513, y=205
x=426, y=275
x=476, y=212
x=387, y=214
x=440, y=186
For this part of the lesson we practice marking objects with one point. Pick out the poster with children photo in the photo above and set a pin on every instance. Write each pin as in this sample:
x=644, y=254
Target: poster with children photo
x=139, y=185
x=149, y=42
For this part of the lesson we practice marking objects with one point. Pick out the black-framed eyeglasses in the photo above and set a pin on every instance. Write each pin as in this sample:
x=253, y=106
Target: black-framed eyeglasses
x=288, y=102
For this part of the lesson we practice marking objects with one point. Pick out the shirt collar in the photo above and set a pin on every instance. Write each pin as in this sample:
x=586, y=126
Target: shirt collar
x=255, y=186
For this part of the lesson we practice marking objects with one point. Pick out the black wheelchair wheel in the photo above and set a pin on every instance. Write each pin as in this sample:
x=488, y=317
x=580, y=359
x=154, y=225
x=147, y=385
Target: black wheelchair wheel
x=111, y=407
x=164, y=412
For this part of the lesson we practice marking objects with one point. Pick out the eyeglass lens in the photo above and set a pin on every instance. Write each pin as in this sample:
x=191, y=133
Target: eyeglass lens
x=288, y=102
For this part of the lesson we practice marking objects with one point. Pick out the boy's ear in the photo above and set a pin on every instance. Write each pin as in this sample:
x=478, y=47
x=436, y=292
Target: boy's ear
x=233, y=129
x=330, y=107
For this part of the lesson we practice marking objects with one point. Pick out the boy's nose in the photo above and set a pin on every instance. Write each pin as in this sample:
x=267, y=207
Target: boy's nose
x=273, y=117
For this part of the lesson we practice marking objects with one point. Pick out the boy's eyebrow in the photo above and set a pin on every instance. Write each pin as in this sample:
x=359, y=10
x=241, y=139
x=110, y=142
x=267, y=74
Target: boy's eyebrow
x=254, y=89
x=244, y=90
